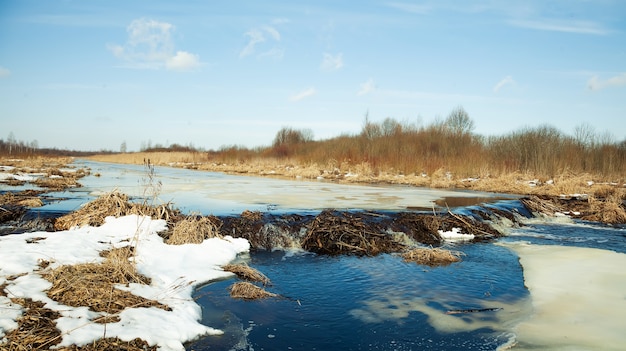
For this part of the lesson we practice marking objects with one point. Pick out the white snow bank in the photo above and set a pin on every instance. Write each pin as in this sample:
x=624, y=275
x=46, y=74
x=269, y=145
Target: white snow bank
x=173, y=269
x=455, y=235
x=578, y=297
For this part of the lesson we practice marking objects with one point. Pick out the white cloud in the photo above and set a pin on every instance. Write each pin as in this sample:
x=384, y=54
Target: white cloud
x=332, y=63
x=508, y=80
x=303, y=94
x=595, y=83
x=257, y=36
x=580, y=27
x=150, y=45
x=183, y=61
x=367, y=87
x=4, y=72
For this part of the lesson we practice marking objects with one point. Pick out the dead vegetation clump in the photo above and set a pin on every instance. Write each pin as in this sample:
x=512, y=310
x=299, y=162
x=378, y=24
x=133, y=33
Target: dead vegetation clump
x=193, y=230
x=245, y=272
x=113, y=204
x=14, y=204
x=93, y=284
x=57, y=183
x=109, y=344
x=26, y=198
x=249, y=291
x=431, y=256
x=611, y=210
x=36, y=328
x=334, y=233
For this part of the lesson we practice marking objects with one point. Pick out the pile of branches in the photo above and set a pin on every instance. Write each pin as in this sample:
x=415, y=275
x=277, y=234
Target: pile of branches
x=361, y=234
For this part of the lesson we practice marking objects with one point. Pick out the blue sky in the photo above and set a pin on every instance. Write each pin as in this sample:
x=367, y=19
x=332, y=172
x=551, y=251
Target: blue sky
x=89, y=75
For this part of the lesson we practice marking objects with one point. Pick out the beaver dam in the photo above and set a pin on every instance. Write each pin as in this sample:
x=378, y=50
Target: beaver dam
x=331, y=232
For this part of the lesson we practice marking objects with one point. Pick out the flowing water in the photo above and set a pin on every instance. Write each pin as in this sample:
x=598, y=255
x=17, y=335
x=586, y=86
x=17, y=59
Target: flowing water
x=367, y=303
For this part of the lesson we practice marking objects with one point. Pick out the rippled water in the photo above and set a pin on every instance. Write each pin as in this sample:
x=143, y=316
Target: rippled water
x=377, y=303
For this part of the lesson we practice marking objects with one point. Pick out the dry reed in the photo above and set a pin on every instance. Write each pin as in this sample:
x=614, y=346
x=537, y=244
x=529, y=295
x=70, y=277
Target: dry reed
x=432, y=256
x=249, y=291
x=245, y=272
x=36, y=328
x=112, y=204
x=610, y=211
x=193, y=230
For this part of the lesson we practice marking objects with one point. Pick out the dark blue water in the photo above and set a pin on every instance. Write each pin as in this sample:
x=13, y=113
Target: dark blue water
x=375, y=303
x=383, y=303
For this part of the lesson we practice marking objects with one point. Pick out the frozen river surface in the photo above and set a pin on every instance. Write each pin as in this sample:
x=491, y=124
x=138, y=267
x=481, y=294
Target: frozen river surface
x=221, y=194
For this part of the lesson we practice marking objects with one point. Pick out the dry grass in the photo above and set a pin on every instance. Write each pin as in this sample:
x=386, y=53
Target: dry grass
x=57, y=183
x=432, y=256
x=27, y=198
x=245, y=272
x=36, y=163
x=112, y=204
x=193, y=230
x=249, y=291
x=611, y=210
x=110, y=344
x=36, y=328
x=175, y=158
x=93, y=284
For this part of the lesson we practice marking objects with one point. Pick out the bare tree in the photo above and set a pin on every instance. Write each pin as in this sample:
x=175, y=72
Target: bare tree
x=459, y=121
x=585, y=134
x=290, y=136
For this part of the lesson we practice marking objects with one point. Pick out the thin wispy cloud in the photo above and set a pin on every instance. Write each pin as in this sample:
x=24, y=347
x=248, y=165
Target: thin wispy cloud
x=4, y=72
x=331, y=62
x=420, y=9
x=303, y=94
x=508, y=80
x=578, y=27
x=257, y=36
x=366, y=87
x=150, y=45
x=595, y=83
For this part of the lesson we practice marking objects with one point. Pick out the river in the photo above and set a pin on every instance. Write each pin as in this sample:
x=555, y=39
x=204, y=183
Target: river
x=550, y=283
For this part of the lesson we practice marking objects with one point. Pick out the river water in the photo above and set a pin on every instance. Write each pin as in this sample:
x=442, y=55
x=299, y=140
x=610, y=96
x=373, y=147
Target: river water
x=382, y=302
